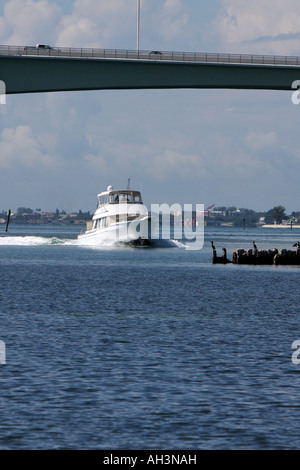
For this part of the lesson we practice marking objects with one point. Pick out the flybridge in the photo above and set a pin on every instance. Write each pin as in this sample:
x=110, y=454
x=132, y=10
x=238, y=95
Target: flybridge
x=148, y=55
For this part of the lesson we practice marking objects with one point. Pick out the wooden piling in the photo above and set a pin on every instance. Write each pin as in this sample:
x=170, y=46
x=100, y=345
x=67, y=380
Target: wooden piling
x=219, y=259
x=259, y=257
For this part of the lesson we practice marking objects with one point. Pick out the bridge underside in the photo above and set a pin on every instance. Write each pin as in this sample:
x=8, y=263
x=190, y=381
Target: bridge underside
x=44, y=74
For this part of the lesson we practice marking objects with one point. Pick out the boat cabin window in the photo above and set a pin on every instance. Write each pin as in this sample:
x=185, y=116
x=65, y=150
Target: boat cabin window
x=100, y=223
x=138, y=199
x=121, y=198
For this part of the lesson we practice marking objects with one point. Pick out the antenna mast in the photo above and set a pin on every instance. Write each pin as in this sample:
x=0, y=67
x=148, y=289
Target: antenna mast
x=138, y=25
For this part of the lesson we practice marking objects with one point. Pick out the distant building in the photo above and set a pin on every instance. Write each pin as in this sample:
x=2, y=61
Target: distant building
x=48, y=215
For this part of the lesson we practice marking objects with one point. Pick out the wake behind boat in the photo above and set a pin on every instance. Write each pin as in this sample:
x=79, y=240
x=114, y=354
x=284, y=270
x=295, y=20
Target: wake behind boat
x=120, y=216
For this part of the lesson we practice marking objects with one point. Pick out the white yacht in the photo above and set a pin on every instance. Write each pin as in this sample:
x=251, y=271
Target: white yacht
x=120, y=216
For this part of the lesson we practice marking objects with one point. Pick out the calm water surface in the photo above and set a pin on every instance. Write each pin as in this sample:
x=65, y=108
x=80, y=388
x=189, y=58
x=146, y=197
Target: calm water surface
x=152, y=348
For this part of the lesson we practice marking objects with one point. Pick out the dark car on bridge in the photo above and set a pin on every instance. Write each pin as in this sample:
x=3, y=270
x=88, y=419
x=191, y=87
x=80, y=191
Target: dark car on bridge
x=43, y=46
x=38, y=46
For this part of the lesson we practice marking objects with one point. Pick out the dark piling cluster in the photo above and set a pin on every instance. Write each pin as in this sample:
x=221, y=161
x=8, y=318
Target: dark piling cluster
x=254, y=257
x=219, y=259
x=263, y=257
x=288, y=257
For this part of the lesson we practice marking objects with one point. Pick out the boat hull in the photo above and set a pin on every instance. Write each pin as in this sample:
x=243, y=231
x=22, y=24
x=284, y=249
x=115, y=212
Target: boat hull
x=136, y=232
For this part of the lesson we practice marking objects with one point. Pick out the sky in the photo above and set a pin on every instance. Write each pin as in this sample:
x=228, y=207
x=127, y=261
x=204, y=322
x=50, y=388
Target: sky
x=224, y=147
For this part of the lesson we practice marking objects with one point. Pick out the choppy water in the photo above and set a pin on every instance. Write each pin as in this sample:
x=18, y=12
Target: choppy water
x=152, y=348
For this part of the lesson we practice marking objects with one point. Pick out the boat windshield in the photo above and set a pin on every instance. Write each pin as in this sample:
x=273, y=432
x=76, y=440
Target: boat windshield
x=137, y=198
x=120, y=197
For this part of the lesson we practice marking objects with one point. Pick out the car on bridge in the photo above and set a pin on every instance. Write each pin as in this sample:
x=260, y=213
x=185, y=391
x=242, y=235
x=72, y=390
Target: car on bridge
x=43, y=47
x=40, y=49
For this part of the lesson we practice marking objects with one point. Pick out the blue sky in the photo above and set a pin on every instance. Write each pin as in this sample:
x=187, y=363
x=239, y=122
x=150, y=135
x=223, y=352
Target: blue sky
x=223, y=147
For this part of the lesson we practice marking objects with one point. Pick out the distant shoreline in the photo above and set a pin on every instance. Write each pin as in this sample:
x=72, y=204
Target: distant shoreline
x=280, y=226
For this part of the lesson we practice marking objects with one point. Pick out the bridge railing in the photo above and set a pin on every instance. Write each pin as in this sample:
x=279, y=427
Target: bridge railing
x=162, y=56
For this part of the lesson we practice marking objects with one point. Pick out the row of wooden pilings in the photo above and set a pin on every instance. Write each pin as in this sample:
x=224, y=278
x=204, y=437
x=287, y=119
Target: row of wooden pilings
x=255, y=256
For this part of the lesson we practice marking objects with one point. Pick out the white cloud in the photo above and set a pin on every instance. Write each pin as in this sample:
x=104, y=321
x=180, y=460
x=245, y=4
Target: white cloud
x=260, y=140
x=94, y=23
x=91, y=23
x=172, y=19
x=96, y=162
x=20, y=146
x=76, y=31
x=102, y=23
x=29, y=22
x=4, y=28
x=259, y=26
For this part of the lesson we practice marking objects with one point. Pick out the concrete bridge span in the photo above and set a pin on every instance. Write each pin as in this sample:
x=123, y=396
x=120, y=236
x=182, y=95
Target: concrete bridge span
x=30, y=70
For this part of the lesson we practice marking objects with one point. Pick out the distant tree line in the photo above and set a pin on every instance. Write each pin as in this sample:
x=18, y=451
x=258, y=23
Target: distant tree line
x=24, y=213
x=239, y=217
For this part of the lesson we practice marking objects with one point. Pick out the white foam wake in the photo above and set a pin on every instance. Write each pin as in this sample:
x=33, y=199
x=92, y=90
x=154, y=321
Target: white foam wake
x=104, y=244
x=29, y=241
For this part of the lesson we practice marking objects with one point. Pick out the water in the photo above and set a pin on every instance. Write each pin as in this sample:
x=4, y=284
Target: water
x=146, y=348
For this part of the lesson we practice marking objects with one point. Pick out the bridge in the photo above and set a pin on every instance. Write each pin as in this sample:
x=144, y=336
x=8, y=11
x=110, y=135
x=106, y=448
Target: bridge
x=32, y=69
